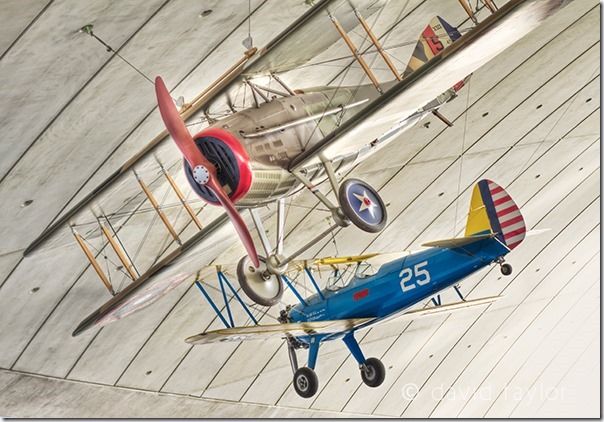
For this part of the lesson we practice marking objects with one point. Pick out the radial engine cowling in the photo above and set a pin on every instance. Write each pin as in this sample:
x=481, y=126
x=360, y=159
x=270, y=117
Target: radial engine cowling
x=232, y=163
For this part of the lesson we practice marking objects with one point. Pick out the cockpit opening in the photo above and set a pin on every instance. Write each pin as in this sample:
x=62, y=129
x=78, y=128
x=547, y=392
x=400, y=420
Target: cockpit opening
x=342, y=277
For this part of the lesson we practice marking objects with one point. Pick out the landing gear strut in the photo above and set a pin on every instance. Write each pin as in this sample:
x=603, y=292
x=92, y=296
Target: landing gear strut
x=373, y=372
x=306, y=382
x=358, y=202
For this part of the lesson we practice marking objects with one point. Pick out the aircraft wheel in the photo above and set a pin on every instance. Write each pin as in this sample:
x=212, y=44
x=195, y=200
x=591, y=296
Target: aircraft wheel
x=258, y=284
x=373, y=373
x=506, y=269
x=306, y=382
x=362, y=205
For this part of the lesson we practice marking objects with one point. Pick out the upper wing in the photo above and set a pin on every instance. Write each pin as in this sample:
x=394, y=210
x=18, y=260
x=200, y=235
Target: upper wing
x=376, y=259
x=293, y=47
x=383, y=116
x=298, y=44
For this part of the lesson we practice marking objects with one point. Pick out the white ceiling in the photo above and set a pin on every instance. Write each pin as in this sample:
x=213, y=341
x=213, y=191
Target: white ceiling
x=72, y=113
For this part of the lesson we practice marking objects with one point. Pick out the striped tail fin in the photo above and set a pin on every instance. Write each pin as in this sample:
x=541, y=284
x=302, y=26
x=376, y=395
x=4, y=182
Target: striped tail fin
x=492, y=210
x=434, y=38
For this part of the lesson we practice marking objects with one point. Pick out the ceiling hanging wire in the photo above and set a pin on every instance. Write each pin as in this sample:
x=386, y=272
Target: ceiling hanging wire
x=248, y=43
x=88, y=29
x=461, y=154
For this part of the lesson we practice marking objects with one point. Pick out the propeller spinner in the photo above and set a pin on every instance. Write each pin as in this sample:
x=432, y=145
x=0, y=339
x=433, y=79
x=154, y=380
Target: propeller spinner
x=204, y=172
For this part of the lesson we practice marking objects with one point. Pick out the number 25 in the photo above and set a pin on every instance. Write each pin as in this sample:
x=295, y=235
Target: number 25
x=422, y=276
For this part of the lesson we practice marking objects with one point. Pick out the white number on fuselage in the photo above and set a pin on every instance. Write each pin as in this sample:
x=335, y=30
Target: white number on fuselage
x=419, y=276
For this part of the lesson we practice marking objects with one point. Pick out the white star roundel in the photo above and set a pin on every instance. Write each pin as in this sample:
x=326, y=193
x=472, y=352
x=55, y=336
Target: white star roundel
x=366, y=203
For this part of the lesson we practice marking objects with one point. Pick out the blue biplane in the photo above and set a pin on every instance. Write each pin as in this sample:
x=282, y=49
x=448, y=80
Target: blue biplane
x=351, y=302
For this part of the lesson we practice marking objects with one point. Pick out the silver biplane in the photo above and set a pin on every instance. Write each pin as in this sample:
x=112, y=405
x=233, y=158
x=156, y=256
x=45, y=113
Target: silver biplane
x=263, y=141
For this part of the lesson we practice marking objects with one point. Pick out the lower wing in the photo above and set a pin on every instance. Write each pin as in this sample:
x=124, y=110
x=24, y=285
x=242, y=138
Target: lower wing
x=263, y=332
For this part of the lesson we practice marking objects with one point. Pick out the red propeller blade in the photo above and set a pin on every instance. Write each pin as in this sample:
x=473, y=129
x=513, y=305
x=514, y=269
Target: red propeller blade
x=177, y=129
x=235, y=217
x=179, y=132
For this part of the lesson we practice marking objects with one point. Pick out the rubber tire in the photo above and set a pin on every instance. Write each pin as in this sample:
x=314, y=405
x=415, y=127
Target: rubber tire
x=352, y=215
x=506, y=269
x=250, y=293
x=306, y=382
x=378, y=372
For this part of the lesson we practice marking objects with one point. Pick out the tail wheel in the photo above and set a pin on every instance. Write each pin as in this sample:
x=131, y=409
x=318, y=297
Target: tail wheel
x=362, y=205
x=373, y=372
x=258, y=284
x=506, y=269
x=306, y=382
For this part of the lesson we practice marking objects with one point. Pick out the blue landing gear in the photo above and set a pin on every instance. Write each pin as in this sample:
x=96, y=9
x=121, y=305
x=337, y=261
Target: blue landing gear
x=362, y=205
x=373, y=372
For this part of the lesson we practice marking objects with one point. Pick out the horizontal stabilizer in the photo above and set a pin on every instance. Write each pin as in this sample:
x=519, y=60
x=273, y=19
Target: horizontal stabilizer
x=440, y=309
x=536, y=232
x=456, y=306
x=458, y=241
x=263, y=332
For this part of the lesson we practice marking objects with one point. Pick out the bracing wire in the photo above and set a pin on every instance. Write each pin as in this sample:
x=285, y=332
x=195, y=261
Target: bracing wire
x=461, y=155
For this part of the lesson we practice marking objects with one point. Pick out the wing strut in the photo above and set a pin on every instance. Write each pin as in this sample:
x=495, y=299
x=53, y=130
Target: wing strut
x=466, y=6
x=294, y=290
x=119, y=251
x=377, y=45
x=314, y=282
x=181, y=198
x=490, y=4
x=159, y=212
x=223, y=280
x=92, y=260
x=355, y=52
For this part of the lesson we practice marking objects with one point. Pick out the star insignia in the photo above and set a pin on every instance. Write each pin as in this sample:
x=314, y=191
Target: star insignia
x=366, y=203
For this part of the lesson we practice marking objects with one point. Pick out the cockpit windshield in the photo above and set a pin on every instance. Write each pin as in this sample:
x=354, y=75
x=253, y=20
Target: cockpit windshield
x=365, y=269
x=343, y=276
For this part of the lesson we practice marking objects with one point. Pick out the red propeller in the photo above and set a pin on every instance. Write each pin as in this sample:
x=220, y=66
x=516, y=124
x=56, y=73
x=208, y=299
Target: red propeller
x=204, y=172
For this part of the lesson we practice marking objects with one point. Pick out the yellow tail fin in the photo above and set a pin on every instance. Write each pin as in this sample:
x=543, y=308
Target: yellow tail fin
x=493, y=211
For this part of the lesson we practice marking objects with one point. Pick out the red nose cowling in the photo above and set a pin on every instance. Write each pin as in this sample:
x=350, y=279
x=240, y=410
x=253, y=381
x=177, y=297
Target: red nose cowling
x=232, y=164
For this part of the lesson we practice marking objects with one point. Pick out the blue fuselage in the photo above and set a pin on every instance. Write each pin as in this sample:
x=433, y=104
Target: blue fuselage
x=400, y=284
